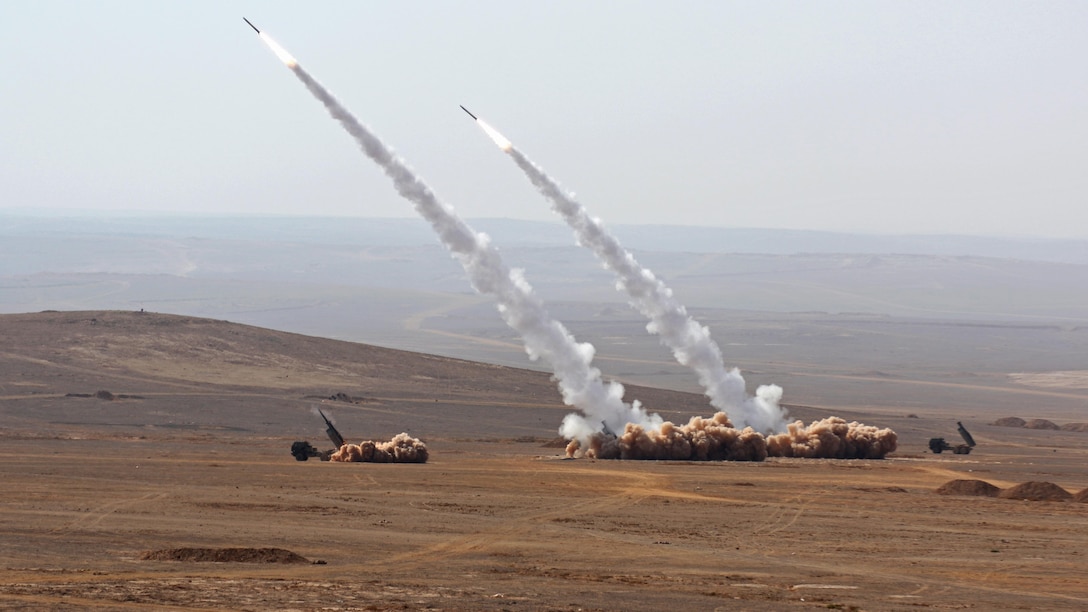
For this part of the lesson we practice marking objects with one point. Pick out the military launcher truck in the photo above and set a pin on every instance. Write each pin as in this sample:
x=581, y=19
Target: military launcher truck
x=302, y=450
x=938, y=445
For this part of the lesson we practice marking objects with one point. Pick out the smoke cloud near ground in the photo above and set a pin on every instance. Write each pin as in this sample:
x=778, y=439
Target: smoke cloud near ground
x=701, y=439
x=715, y=439
x=689, y=341
x=401, y=449
x=644, y=436
x=833, y=438
x=579, y=382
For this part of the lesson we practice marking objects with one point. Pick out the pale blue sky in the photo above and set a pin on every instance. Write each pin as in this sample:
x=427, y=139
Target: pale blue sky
x=948, y=117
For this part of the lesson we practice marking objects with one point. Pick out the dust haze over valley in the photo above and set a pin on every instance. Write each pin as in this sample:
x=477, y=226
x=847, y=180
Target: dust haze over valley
x=775, y=428
x=816, y=313
x=189, y=449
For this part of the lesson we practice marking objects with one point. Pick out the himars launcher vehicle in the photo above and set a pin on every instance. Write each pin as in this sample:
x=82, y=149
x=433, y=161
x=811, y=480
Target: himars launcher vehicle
x=304, y=450
x=938, y=445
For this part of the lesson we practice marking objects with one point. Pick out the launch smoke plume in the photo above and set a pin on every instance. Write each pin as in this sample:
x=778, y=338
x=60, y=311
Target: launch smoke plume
x=579, y=382
x=702, y=439
x=401, y=449
x=833, y=438
x=715, y=439
x=690, y=341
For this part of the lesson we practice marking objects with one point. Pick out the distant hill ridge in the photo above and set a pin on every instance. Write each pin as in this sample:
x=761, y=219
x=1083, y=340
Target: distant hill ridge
x=136, y=369
x=522, y=233
x=187, y=349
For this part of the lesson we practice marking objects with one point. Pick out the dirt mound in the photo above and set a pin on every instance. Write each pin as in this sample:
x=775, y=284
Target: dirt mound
x=1042, y=424
x=225, y=555
x=1037, y=491
x=340, y=396
x=105, y=395
x=1081, y=497
x=978, y=488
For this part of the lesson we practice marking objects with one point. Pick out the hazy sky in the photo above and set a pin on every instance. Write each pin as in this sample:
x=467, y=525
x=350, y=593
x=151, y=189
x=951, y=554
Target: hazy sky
x=950, y=117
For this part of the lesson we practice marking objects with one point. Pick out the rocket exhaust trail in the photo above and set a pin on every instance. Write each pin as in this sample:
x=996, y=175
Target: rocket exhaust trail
x=690, y=342
x=544, y=337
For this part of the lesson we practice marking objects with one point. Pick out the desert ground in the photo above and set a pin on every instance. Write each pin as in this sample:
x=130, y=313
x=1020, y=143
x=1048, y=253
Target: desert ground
x=188, y=446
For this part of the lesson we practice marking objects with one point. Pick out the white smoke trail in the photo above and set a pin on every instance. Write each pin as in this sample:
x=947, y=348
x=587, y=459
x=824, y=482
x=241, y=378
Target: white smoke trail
x=690, y=342
x=579, y=382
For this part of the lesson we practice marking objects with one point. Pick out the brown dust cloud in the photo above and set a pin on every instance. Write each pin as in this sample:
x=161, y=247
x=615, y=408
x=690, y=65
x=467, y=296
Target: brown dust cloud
x=401, y=449
x=716, y=439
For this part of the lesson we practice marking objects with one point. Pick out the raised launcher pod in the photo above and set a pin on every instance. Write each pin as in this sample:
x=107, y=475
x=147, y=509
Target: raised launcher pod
x=302, y=450
x=967, y=437
x=334, y=435
x=938, y=445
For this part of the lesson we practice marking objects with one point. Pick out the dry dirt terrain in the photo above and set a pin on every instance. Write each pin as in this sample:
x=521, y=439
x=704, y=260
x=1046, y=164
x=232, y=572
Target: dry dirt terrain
x=189, y=449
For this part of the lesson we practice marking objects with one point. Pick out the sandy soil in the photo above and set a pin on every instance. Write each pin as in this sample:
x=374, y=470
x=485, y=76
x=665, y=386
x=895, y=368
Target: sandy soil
x=505, y=525
x=1058, y=380
x=496, y=520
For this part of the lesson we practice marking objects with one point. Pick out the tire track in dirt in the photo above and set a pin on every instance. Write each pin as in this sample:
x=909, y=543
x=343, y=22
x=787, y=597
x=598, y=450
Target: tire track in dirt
x=95, y=517
x=862, y=298
x=472, y=402
x=957, y=475
x=66, y=601
x=98, y=372
x=638, y=487
x=944, y=385
x=782, y=519
x=935, y=587
x=525, y=521
x=34, y=396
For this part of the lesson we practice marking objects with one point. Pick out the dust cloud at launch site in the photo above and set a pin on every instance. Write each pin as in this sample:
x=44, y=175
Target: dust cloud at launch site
x=715, y=439
x=401, y=449
x=689, y=341
x=762, y=424
x=832, y=438
x=544, y=337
